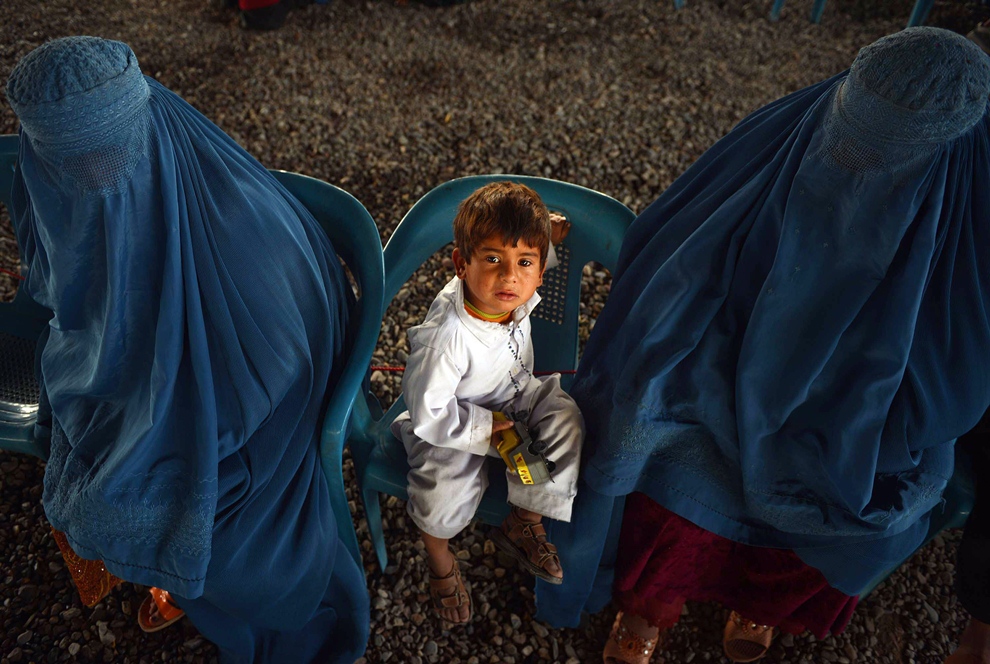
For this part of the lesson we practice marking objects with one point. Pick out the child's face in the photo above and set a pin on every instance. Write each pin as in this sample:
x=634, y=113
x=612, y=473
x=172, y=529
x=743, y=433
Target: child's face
x=500, y=277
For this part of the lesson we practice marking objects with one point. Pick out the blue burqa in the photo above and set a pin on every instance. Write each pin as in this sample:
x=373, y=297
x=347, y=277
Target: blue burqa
x=798, y=328
x=199, y=317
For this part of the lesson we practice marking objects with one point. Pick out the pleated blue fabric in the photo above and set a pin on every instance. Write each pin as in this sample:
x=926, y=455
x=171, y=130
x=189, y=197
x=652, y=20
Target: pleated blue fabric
x=199, y=319
x=798, y=327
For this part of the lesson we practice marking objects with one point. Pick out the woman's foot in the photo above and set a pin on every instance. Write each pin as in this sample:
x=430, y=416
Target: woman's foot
x=632, y=640
x=523, y=537
x=974, y=645
x=745, y=640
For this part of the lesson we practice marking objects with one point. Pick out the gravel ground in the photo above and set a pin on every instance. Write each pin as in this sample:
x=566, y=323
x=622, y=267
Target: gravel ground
x=388, y=100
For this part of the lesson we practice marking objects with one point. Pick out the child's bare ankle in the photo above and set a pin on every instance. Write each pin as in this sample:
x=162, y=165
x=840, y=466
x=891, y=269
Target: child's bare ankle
x=441, y=564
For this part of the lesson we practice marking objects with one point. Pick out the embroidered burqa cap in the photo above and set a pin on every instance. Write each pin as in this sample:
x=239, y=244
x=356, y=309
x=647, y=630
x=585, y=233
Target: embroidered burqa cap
x=199, y=317
x=797, y=329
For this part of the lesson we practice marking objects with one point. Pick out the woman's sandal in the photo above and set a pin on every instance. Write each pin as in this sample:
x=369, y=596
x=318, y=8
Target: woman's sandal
x=624, y=646
x=450, y=592
x=527, y=543
x=152, y=620
x=744, y=640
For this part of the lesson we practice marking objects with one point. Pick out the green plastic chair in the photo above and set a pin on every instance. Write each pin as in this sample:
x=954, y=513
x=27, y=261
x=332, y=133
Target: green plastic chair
x=355, y=238
x=599, y=224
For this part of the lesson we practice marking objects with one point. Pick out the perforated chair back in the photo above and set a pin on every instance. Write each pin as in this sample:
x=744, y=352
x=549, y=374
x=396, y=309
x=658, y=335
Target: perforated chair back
x=599, y=223
x=21, y=324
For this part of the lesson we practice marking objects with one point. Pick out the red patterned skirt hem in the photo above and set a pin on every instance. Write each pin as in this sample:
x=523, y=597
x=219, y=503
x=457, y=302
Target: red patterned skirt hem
x=665, y=560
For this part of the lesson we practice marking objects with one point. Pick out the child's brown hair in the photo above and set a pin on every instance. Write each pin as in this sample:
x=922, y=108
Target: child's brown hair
x=510, y=211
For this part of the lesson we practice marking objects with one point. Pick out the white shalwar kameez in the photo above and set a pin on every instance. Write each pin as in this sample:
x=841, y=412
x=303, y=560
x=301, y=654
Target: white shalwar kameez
x=460, y=369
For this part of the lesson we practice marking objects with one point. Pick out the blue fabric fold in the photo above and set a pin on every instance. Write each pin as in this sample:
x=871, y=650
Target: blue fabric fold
x=798, y=327
x=199, y=320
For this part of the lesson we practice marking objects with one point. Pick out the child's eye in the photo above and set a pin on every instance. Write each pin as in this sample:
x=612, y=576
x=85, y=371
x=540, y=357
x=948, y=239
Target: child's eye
x=525, y=262
x=492, y=259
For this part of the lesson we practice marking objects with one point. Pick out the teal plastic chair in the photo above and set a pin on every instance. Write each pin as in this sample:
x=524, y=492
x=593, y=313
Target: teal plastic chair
x=599, y=224
x=21, y=323
x=957, y=503
x=355, y=238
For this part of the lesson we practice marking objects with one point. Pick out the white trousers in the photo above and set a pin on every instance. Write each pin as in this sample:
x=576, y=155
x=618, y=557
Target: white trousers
x=446, y=486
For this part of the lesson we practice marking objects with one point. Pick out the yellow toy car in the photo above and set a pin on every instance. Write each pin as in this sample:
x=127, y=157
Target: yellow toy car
x=524, y=456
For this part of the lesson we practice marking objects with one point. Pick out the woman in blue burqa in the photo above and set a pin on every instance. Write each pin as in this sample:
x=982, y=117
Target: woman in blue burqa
x=797, y=332
x=199, y=317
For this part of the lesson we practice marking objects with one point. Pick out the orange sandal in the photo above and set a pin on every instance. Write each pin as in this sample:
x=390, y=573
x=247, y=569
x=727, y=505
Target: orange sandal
x=625, y=646
x=744, y=640
x=168, y=612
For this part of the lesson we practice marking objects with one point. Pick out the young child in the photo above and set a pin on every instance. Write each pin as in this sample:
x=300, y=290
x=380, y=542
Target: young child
x=474, y=355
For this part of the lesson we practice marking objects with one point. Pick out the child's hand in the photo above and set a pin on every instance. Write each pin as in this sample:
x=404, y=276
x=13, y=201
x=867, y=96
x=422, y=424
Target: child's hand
x=559, y=228
x=498, y=426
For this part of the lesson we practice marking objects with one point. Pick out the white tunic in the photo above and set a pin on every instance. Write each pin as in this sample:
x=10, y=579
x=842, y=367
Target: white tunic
x=460, y=369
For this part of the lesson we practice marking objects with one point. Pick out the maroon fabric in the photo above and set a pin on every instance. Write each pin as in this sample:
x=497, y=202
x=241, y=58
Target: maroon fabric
x=665, y=560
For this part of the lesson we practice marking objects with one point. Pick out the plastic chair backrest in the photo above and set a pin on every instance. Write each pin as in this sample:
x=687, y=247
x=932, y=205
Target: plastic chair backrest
x=21, y=323
x=599, y=223
x=354, y=237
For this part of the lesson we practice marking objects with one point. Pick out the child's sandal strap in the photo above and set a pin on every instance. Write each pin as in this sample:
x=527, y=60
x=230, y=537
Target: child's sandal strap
x=453, y=581
x=545, y=551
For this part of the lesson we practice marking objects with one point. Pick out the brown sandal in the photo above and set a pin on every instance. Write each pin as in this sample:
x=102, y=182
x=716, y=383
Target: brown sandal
x=527, y=543
x=744, y=640
x=450, y=592
x=628, y=647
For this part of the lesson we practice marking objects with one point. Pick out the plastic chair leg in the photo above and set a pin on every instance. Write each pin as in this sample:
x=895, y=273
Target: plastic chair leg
x=778, y=5
x=817, y=10
x=373, y=512
x=20, y=438
x=345, y=524
x=920, y=12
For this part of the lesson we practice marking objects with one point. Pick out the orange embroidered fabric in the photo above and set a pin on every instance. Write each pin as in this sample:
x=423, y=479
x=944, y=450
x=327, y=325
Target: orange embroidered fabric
x=92, y=579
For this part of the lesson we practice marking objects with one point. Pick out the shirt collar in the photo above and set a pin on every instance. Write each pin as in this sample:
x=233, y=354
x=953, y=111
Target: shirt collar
x=487, y=332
